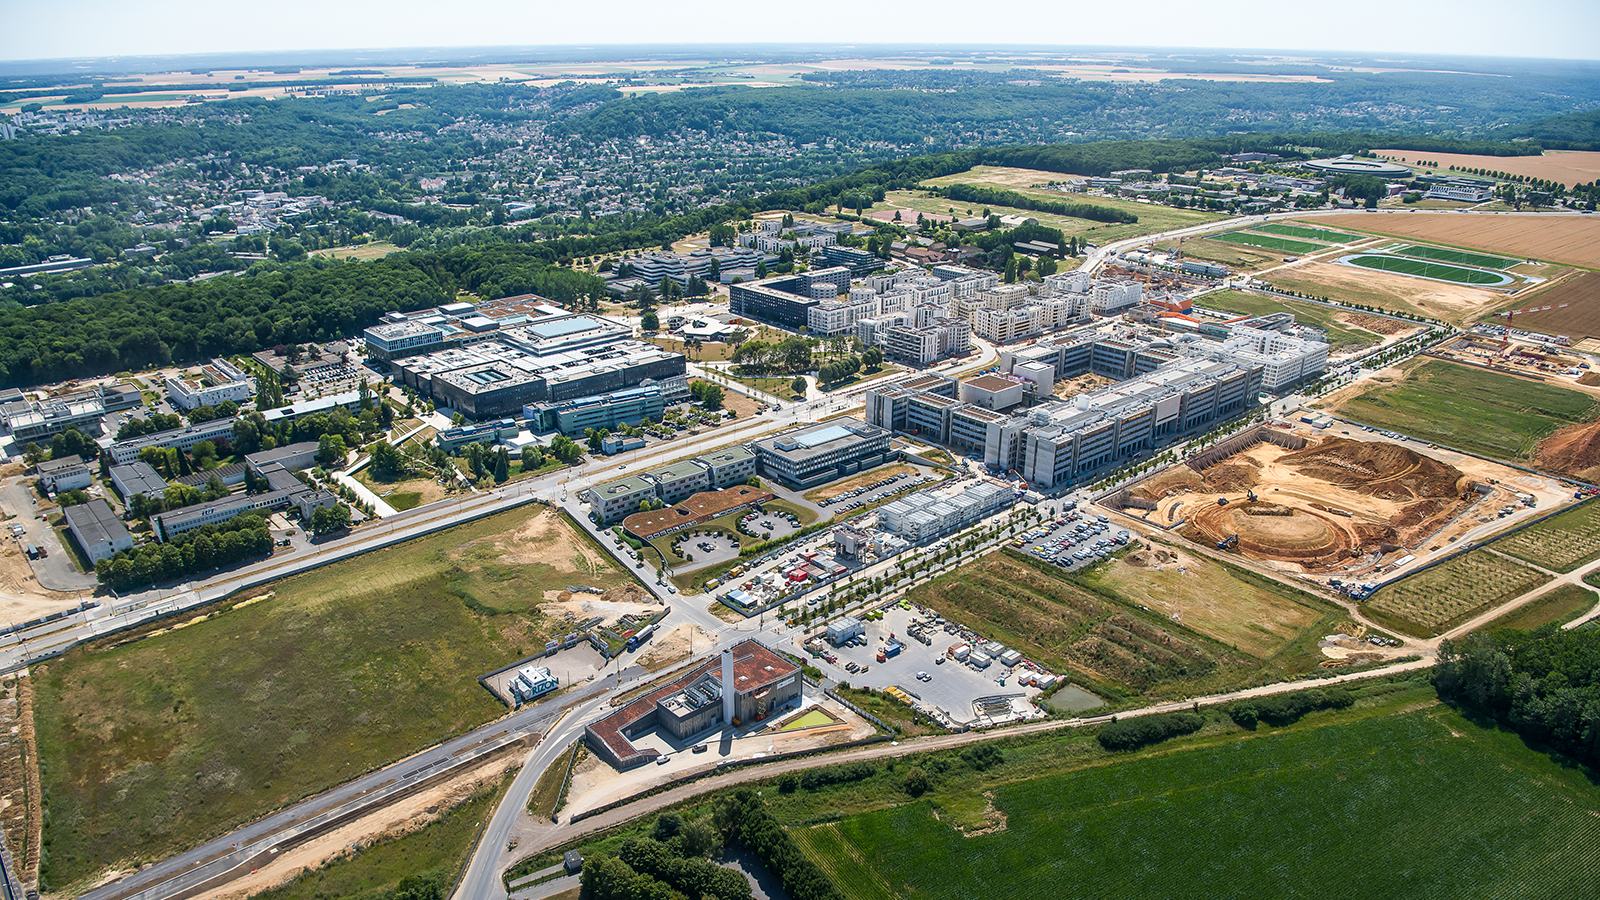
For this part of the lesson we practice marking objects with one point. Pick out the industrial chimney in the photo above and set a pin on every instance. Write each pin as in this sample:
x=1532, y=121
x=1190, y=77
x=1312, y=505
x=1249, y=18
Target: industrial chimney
x=727, y=685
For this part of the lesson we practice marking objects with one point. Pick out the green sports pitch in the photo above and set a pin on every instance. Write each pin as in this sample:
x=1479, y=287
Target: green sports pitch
x=1315, y=234
x=1270, y=242
x=1443, y=254
x=1422, y=269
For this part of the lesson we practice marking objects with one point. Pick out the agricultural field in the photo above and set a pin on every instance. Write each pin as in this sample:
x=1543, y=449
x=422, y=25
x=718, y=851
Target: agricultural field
x=1444, y=254
x=1561, y=605
x=1569, y=167
x=1104, y=641
x=1281, y=244
x=1272, y=814
x=1452, y=302
x=1560, y=543
x=1309, y=233
x=1575, y=307
x=1341, y=334
x=1153, y=217
x=154, y=741
x=1571, y=240
x=1432, y=600
x=1424, y=269
x=1470, y=409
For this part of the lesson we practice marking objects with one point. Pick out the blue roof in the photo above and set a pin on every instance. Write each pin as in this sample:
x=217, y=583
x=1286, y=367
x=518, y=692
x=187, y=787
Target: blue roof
x=822, y=436
x=560, y=327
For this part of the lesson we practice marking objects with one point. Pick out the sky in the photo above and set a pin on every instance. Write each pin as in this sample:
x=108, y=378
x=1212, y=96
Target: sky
x=1558, y=29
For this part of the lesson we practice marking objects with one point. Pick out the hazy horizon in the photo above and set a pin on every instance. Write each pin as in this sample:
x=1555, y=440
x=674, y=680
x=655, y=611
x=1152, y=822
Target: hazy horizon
x=1546, y=29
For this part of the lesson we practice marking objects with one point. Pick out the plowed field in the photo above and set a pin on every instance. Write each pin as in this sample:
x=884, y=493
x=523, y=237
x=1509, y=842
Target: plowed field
x=1580, y=317
x=1574, y=240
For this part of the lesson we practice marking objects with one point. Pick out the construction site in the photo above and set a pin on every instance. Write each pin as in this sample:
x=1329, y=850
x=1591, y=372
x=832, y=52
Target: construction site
x=1317, y=503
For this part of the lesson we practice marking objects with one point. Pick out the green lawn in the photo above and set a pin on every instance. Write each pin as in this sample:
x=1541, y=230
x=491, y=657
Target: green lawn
x=1416, y=804
x=1443, y=254
x=1471, y=409
x=1268, y=241
x=432, y=854
x=1340, y=336
x=150, y=746
x=1306, y=231
x=1424, y=269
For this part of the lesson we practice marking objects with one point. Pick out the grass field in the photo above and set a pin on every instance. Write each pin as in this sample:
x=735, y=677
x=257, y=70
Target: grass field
x=1560, y=543
x=1429, y=803
x=1561, y=605
x=1443, y=254
x=1096, y=633
x=547, y=791
x=1271, y=242
x=1340, y=336
x=1470, y=409
x=404, y=494
x=1425, y=269
x=153, y=742
x=1247, y=612
x=433, y=853
x=1153, y=217
x=374, y=250
x=1310, y=233
x=1236, y=256
x=1434, y=599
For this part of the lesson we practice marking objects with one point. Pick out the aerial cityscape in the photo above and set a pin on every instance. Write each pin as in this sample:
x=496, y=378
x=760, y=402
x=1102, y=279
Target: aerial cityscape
x=694, y=457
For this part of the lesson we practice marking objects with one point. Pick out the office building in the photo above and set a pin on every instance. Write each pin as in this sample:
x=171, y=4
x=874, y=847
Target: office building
x=69, y=473
x=814, y=454
x=137, y=478
x=724, y=468
x=626, y=407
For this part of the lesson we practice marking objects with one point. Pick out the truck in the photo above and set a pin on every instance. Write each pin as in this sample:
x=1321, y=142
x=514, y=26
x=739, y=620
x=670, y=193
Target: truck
x=892, y=649
x=1228, y=543
x=640, y=636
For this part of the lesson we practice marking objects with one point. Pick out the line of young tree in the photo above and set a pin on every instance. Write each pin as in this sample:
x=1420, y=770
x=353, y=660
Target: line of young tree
x=972, y=193
x=744, y=819
x=670, y=863
x=200, y=550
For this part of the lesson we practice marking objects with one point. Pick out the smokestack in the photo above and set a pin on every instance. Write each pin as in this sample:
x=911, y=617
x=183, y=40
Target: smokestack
x=727, y=685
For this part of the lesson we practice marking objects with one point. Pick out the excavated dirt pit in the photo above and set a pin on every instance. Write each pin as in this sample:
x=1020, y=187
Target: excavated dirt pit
x=1313, y=508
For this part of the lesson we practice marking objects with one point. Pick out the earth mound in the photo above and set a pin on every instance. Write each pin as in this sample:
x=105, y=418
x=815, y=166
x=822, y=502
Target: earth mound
x=1379, y=469
x=1574, y=450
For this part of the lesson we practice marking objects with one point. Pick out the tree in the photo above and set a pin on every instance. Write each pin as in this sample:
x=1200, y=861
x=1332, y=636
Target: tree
x=650, y=322
x=872, y=358
x=761, y=268
x=502, y=466
x=331, y=449
x=388, y=463
x=798, y=385
x=325, y=519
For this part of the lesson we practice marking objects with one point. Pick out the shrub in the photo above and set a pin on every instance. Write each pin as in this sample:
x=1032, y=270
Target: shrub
x=1131, y=734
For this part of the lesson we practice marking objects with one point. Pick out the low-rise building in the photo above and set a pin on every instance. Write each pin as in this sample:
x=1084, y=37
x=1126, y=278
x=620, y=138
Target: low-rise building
x=813, y=454
x=137, y=478
x=97, y=529
x=68, y=473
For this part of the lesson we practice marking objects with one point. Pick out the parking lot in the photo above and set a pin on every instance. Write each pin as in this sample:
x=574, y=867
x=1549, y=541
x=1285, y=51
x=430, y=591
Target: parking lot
x=772, y=525
x=1073, y=540
x=708, y=548
x=892, y=486
x=950, y=685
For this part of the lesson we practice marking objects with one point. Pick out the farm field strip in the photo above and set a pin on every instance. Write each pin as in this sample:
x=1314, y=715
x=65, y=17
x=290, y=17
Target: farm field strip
x=1574, y=307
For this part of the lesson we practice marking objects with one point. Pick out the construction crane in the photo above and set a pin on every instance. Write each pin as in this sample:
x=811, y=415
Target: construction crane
x=1509, y=315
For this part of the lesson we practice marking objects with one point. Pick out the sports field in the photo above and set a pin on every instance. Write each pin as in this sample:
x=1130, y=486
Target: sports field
x=1306, y=231
x=1444, y=254
x=1471, y=409
x=1424, y=269
x=1271, y=242
x=1420, y=803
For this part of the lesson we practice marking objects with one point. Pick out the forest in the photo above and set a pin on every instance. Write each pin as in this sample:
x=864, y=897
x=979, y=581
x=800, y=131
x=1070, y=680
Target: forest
x=1544, y=684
